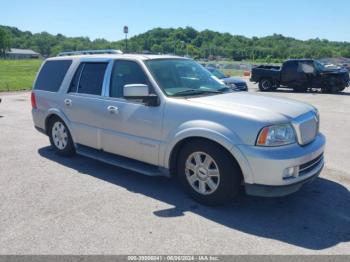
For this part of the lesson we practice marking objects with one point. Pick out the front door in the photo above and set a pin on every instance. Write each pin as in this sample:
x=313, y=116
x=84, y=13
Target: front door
x=131, y=128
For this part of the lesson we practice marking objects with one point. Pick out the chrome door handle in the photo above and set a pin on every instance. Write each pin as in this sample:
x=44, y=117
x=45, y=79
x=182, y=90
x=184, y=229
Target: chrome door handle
x=68, y=102
x=113, y=109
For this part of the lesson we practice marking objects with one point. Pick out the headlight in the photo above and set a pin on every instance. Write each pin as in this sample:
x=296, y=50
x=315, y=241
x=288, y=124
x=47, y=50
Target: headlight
x=232, y=85
x=276, y=135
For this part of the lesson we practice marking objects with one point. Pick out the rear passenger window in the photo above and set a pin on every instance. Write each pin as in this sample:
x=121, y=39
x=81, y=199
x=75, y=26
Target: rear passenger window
x=88, y=78
x=52, y=74
x=75, y=81
x=291, y=67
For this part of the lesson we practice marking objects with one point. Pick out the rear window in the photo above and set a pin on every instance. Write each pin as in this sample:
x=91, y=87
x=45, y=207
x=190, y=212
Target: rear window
x=51, y=75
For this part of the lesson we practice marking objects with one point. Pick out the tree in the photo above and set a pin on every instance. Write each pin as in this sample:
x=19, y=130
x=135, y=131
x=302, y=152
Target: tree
x=5, y=42
x=157, y=49
x=199, y=44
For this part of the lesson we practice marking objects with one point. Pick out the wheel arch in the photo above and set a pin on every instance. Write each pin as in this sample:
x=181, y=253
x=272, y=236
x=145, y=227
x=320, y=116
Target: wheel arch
x=56, y=113
x=224, y=142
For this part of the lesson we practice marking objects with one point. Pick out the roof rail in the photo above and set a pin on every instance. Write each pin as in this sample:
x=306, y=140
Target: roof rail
x=91, y=52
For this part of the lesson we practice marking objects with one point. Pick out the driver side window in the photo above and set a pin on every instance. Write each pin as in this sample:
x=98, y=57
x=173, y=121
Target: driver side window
x=306, y=67
x=124, y=73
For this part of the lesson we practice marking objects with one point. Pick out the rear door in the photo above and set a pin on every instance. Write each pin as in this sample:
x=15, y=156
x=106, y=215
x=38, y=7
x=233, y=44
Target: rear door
x=289, y=73
x=83, y=104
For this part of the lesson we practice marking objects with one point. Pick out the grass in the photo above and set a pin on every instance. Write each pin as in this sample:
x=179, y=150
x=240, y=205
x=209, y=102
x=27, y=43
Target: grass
x=18, y=75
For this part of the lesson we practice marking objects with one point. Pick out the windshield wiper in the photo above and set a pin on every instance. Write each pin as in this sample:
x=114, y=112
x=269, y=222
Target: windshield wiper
x=196, y=91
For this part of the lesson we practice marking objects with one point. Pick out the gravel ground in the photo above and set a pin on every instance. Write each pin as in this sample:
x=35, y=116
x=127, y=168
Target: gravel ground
x=55, y=205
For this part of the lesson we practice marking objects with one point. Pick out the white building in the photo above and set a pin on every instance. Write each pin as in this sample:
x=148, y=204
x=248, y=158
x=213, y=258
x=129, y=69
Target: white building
x=16, y=53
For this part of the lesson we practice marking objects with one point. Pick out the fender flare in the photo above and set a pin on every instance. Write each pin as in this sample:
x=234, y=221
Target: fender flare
x=55, y=112
x=211, y=131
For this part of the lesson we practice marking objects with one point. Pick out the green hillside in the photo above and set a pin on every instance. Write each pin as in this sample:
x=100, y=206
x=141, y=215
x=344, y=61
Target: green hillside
x=198, y=44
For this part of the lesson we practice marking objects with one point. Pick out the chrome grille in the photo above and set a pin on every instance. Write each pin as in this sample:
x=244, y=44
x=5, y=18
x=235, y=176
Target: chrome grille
x=306, y=127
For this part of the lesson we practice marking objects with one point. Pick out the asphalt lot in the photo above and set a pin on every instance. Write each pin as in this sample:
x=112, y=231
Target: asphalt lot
x=55, y=205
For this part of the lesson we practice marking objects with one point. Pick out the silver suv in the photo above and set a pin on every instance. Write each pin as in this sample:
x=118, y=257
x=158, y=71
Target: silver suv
x=166, y=115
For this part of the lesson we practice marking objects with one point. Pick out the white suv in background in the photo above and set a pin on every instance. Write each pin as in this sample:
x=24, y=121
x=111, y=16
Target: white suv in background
x=166, y=115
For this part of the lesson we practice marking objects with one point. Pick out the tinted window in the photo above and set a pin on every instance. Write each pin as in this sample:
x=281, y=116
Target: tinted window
x=125, y=73
x=91, y=79
x=51, y=75
x=75, y=81
x=291, y=67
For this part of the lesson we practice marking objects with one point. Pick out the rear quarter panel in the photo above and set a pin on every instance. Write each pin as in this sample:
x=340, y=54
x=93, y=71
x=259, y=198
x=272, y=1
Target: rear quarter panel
x=49, y=103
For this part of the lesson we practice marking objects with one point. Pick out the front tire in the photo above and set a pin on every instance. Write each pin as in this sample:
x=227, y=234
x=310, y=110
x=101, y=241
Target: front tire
x=208, y=173
x=60, y=138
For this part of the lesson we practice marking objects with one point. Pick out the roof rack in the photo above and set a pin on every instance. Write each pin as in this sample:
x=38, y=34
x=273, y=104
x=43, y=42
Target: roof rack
x=91, y=52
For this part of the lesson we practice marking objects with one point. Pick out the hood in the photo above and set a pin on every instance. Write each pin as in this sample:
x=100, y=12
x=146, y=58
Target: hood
x=262, y=108
x=233, y=80
x=335, y=70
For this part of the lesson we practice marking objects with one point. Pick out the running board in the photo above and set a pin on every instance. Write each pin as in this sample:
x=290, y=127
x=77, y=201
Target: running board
x=120, y=161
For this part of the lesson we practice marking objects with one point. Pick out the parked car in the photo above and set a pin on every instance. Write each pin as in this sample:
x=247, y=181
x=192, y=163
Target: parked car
x=301, y=75
x=234, y=82
x=168, y=116
x=347, y=66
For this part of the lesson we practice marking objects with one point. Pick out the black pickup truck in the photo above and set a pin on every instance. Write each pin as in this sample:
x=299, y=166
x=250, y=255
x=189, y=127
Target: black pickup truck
x=301, y=75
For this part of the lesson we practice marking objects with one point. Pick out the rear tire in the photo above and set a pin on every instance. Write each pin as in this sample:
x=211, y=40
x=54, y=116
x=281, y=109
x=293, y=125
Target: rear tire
x=208, y=173
x=266, y=84
x=60, y=138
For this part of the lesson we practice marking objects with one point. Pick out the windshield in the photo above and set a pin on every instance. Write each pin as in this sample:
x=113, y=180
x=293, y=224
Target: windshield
x=217, y=73
x=184, y=77
x=319, y=66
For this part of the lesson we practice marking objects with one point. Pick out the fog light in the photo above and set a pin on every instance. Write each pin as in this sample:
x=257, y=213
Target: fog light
x=290, y=172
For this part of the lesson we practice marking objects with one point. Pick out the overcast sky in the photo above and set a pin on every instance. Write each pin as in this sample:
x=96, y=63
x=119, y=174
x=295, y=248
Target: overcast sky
x=303, y=19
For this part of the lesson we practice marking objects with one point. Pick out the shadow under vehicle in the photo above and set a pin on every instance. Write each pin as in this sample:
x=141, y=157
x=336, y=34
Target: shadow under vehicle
x=315, y=218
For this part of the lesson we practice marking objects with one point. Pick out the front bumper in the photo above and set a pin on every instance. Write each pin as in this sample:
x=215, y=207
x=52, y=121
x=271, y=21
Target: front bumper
x=278, y=191
x=267, y=166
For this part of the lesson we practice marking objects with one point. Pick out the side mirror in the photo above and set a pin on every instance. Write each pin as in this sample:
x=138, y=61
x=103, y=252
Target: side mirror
x=141, y=92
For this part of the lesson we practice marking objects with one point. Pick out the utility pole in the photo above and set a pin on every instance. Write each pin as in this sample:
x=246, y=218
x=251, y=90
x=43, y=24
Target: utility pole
x=126, y=31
